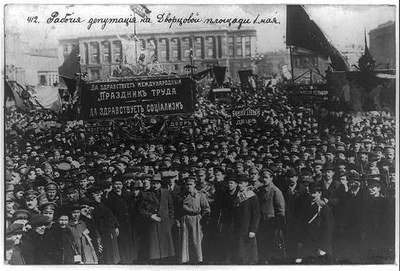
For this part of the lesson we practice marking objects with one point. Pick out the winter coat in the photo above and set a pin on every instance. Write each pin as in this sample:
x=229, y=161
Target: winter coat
x=106, y=224
x=246, y=217
x=195, y=206
x=120, y=206
x=84, y=243
x=158, y=234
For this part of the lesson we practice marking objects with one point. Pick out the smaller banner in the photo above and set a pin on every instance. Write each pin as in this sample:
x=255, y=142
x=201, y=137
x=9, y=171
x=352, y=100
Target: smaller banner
x=249, y=116
x=178, y=124
x=98, y=128
x=308, y=93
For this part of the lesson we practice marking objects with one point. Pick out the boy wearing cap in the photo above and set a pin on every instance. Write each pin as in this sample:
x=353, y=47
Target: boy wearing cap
x=246, y=216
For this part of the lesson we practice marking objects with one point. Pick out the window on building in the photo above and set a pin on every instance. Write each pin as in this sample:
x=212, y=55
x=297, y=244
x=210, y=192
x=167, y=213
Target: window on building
x=247, y=44
x=239, y=49
x=210, y=47
x=142, y=44
x=163, y=50
x=231, y=46
x=199, y=47
x=174, y=49
x=151, y=47
x=186, y=47
x=117, y=50
x=42, y=80
x=176, y=67
x=95, y=57
x=86, y=53
x=65, y=51
x=106, y=50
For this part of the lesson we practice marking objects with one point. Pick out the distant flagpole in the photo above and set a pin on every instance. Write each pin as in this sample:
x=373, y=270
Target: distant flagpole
x=142, y=11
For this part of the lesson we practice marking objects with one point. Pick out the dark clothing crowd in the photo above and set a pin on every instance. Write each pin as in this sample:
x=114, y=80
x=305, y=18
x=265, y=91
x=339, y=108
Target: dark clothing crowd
x=293, y=188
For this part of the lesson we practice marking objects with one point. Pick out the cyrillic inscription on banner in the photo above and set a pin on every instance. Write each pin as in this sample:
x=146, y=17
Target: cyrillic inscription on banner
x=98, y=128
x=246, y=116
x=137, y=96
x=308, y=93
x=178, y=124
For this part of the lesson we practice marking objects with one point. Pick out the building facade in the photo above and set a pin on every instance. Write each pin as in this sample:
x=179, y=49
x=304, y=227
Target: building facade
x=30, y=66
x=100, y=55
x=383, y=46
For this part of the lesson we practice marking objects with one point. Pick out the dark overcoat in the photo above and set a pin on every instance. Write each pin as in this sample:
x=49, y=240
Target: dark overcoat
x=106, y=224
x=246, y=217
x=35, y=248
x=158, y=234
x=120, y=206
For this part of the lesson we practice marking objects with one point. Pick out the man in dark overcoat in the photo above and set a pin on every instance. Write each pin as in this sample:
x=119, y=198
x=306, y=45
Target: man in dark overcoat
x=158, y=210
x=107, y=226
x=119, y=203
x=246, y=216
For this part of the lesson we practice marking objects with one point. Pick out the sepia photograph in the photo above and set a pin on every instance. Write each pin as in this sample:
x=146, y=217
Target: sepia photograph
x=200, y=134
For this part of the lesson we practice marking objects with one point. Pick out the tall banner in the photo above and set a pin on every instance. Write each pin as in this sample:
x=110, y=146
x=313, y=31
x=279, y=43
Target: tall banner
x=247, y=79
x=137, y=96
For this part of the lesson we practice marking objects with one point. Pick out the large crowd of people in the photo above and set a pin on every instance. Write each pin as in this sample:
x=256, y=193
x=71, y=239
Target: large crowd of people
x=296, y=187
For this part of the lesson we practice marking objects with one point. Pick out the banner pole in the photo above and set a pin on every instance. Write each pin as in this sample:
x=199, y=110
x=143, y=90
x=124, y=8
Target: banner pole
x=291, y=63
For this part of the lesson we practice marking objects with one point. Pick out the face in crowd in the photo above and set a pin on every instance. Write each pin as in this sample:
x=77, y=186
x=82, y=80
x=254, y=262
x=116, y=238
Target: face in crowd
x=266, y=177
x=232, y=185
x=117, y=186
x=191, y=185
x=63, y=221
x=156, y=185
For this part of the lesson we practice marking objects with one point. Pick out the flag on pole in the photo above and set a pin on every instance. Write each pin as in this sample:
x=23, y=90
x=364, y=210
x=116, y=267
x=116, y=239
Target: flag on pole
x=140, y=10
x=20, y=95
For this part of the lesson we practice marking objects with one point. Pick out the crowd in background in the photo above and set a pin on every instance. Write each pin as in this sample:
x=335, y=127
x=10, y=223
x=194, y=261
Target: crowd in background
x=297, y=187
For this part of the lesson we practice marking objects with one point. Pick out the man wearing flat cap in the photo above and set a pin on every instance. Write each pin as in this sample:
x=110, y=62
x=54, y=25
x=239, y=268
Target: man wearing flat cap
x=272, y=220
x=331, y=189
x=170, y=178
x=119, y=203
x=107, y=226
x=35, y=247
x=353, y=209
x=83, y=183
x=195, y=208
x=51, y=190
x=14, y=233
x=31, y=202
x=317, y=227
x=377, y=236
x=245, y=220
x=158, y=210
x=293, y=195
